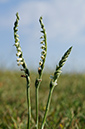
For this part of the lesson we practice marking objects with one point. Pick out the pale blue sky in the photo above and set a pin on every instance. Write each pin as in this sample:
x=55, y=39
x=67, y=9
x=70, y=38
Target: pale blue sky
x=65, y=26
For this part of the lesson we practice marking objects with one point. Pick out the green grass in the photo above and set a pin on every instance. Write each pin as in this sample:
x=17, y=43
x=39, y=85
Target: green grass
x=67, y=110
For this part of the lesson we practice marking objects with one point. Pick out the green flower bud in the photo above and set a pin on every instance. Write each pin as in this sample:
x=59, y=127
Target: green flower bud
x=42, y=57
x=43, y=52
x=42, y=37
x=43, y=47
x=40, y=63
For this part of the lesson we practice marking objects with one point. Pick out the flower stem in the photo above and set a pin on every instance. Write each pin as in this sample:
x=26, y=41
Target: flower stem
x=21, y=61
x=37, y=107
x=37, y=84
x=28, y=103
x=53, y=83
x=41, y=67
x=47, y=107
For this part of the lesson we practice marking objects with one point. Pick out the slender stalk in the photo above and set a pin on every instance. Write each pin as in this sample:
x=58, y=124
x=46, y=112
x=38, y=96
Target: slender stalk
x=21, y=61
x=53, y=83
x=47, y=107
x=37, y=100
x=28, y=104
x=41, y=67
x=36, y=107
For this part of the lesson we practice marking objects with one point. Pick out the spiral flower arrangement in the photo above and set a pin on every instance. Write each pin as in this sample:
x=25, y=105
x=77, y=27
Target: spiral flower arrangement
x=53, y=82
x=54, y=78
x=41, y=65
x=43, y=47
x=59, y=67
x=19, y=54
x=21, y=61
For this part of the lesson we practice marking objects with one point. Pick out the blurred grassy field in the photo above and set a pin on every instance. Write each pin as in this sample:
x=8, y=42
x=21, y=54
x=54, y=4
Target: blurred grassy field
x=67, y=110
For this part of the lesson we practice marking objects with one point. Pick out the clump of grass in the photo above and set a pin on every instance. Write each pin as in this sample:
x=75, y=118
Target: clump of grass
x=54, y=78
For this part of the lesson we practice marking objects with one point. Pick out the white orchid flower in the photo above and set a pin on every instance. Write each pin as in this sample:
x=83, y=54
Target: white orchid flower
x=19, y=63
x=18, y=54
x=19, y=59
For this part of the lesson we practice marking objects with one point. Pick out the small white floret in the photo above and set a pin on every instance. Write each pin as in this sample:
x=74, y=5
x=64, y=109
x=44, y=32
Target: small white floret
x=19, y=59
x=19, y=48
x=18, y=54
x=16, y=44
x=19, y=63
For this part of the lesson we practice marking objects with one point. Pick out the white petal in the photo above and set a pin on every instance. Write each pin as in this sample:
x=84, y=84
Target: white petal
x=18, y=54
x=20, y=63
x=19, y=49
x=16, y=44
x=19, y=59
x=55, y=83
x=16, y=40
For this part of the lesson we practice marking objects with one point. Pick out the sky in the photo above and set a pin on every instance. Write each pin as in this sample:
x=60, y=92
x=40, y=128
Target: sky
x=64, y=22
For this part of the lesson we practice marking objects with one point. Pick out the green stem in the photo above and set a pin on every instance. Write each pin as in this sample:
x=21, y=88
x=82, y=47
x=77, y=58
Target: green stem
x=37, y=84
x=28, y=104
x=36, y=107
x=47, y=107
x=41, y=66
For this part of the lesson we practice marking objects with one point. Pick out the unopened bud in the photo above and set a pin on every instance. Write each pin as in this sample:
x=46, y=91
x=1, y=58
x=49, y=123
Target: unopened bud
x=43, y=47
x=40, y=63
x=42, y=57
x=43, y=52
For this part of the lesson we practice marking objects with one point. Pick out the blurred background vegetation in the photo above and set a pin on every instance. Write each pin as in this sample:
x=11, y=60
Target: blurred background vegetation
x=67, y=110
x=65, y=26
